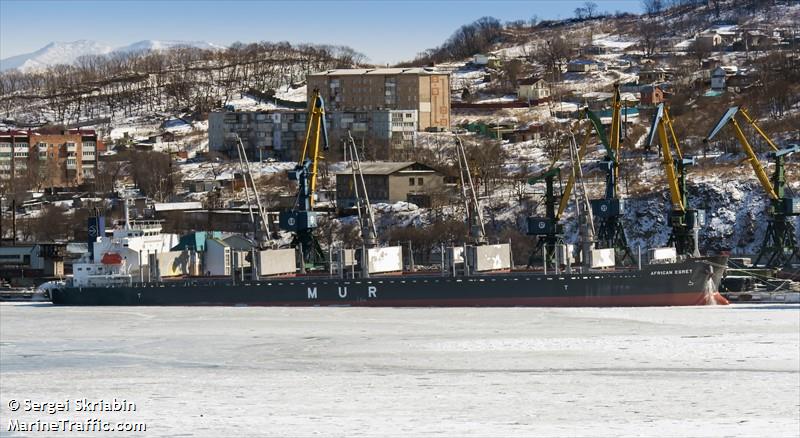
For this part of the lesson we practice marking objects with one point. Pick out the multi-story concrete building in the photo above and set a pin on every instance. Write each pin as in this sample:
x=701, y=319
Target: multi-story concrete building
x=383, y=108
x=419, y=89
x=264, y=134
x=61, y=159
x=280, y=134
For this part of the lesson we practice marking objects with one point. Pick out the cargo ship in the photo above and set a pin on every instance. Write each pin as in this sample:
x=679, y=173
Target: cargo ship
x=687, y=283
x=135, y=267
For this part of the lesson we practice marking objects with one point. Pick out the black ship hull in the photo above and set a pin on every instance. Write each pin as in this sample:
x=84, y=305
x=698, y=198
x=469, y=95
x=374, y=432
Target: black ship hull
x=692, y=282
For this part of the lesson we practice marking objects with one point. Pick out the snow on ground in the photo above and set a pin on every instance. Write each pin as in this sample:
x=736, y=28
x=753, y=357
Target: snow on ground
x=226, y=170
x=506, y=98
x=132, y=130
x=614, y=42
x=690, y=371
x=294, y=94
x=248, y=103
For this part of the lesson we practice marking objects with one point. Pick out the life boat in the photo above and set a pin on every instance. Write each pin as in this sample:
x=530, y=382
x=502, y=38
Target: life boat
x=111, y=258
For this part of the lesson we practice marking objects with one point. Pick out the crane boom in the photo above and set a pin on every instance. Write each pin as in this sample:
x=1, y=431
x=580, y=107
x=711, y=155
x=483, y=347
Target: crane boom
x=311, y=151
x=660, y=122
x=730, y=118
x=685, y=222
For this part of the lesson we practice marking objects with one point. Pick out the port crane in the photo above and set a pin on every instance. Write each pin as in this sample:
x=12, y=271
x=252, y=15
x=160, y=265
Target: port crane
x=779, y=247
x=302, y=219
x=608, y=210
x=685, y=222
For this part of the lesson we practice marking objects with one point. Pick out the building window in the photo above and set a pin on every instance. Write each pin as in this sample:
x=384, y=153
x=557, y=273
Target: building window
x=411, y=181
x=419, y=181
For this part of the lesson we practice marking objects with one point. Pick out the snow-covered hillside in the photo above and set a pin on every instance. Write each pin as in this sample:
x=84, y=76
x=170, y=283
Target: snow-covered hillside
x=68, y=52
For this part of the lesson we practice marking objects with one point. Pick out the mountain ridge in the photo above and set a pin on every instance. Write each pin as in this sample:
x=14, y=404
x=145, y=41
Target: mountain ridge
x=67, y=52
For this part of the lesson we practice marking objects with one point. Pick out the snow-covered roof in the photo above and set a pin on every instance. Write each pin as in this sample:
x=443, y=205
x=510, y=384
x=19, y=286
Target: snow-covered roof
x=530, y=81
x=378, y=71
x=380, y=167
x=173, y=206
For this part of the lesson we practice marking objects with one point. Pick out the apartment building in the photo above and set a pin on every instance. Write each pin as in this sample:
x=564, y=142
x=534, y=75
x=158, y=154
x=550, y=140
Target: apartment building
x=418, y=89
x=280, y=134
x=62, y=159
x=264, y=134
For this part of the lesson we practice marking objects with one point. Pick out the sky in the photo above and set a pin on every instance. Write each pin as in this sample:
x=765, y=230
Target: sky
x=386, y=31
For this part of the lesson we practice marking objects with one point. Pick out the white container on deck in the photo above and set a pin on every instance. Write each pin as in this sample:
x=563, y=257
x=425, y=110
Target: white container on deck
x=489, y=257
x=387, y=259
x=660, y=255
x=602, y=258
x=277, y=261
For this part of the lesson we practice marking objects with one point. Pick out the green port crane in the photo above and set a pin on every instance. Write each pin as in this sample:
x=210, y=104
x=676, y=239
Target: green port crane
x=609, y=210
x=684, y=222
x=548, y=228
x=780, y=247
x=302, y=219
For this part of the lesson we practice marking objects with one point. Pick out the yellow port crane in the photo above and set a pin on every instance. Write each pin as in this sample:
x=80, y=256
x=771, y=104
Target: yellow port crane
x=302, y=219
x=779, y=247
x=684, y=221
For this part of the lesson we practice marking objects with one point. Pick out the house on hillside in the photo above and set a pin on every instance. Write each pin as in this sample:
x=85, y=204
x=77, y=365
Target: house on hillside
x=653, y=76
x=595, y=49
x=597, y=100
x=480, y=59
x=651, y=95
x=755, y=39
x=709, y=40
x=581, y=66
x=391, y=182
x=533, y=88
x=741, y=80
x=720, y=76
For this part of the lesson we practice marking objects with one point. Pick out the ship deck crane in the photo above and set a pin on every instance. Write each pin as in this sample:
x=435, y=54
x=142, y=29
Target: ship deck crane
x=780, y=247
x=302, y=219
x=684, y=221
x=474, y=214
x=366, y=217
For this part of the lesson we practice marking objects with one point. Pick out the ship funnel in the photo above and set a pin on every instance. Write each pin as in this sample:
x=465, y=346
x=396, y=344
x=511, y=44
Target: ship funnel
x=96, y=228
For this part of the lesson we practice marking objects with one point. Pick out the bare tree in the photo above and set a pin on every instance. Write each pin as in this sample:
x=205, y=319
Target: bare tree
x=554, y=53
x=699, y=52
x=653, y=7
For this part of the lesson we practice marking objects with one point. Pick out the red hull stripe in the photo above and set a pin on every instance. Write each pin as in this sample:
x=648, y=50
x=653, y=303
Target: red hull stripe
x=665, y=299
